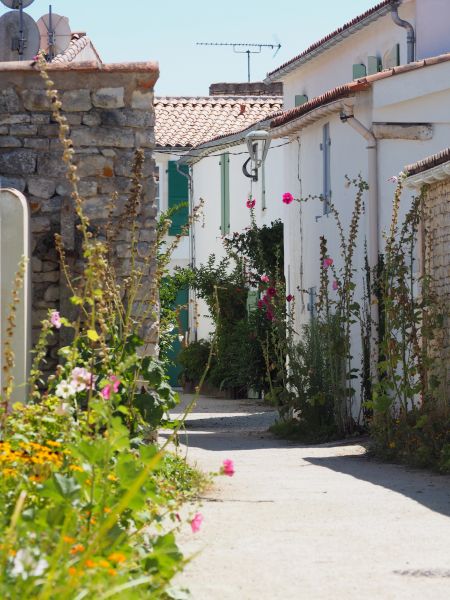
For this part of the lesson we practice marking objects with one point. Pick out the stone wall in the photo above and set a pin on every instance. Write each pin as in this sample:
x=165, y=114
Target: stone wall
x=110, y=112
x=437, y=261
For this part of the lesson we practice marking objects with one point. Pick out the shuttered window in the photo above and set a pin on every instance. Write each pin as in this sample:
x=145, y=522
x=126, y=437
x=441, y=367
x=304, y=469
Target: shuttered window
x=326, y=159
x=178, y=193
x=225, y=193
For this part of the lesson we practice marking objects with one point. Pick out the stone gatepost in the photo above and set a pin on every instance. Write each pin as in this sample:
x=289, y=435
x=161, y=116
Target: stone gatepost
x=110, y=112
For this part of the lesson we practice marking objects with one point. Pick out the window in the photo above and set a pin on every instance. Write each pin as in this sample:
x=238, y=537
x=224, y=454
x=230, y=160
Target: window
x=300, y=99
x=225, y=193
x=178, y=193
x=325, y=147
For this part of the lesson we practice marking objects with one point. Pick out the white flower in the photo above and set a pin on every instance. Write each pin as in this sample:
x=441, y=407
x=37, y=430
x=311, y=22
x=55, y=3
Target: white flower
x=26, y=565
x=81, y=379
x=65, y=389
x=296, y=414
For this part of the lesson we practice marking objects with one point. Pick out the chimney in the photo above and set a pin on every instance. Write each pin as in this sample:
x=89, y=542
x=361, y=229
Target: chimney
x=255, y=88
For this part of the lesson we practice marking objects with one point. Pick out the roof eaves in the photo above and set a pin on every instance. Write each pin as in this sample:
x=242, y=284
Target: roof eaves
x=433, y=169
x=330, y=40
x=222, y=142
x=330, y=98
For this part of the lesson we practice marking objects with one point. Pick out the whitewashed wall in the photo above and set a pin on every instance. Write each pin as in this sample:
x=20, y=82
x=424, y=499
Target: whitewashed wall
x=421, y=96
x=334, y=67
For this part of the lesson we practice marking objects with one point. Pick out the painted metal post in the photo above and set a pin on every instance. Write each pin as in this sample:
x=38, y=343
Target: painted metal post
x=14, y=245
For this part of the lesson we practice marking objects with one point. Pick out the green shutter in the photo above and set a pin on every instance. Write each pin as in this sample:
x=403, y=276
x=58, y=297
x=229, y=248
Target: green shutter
x=373, y=65
x=178, y=194
x=359, y=71
x=301, y=99
x=392, y=58
x=225, y=193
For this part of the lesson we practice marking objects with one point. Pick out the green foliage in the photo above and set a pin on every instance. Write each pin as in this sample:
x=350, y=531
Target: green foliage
x=410, y=399
x=89, y=503
x=194, y=360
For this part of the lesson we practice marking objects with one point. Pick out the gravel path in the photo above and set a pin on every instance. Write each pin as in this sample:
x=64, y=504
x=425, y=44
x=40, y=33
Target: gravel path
x=310, y=522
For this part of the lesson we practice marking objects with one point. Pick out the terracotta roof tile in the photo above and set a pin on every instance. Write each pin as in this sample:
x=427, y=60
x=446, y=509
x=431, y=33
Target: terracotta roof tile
x=380, y=8
x=187, y=122
x=428, y=163
x=76, y=46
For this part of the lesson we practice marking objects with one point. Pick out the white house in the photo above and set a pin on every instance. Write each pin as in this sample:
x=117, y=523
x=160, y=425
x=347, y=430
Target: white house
x=366, y=100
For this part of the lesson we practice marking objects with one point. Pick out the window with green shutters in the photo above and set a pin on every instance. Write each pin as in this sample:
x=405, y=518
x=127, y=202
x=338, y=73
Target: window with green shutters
x=178, y=193
x=225, y=193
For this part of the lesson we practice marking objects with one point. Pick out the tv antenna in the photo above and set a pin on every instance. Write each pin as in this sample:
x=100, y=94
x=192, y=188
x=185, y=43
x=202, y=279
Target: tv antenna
x=55, y=33
x=237, y=48
x=19, y=35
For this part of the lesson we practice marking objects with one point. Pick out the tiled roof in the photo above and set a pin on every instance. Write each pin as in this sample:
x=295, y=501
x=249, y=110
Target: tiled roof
x=187, y=122
x=428, y=163
x=343, y=91
x=349, y=89
x=76, y=46
x=364, y=19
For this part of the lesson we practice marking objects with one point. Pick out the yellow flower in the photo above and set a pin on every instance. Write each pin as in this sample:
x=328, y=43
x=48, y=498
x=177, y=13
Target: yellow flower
x=53, y=443
x=77, y=548
x=112, y=477
x=90, y=564
x=104, y=563
x=117, y=557
x=76, y=468
x=392, y=445
x=68, y=539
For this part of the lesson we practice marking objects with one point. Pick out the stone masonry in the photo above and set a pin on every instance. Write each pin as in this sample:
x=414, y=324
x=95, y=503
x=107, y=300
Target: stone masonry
x=110, y=112
x=437, y=226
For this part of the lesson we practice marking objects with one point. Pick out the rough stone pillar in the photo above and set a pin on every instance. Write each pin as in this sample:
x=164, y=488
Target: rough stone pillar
x=110, y=112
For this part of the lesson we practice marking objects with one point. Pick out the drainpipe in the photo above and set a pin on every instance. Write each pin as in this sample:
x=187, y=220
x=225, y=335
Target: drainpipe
x=410, y=35
x=348, y=117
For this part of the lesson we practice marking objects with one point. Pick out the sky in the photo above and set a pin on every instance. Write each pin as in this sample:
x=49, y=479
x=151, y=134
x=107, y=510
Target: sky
x=167, y=31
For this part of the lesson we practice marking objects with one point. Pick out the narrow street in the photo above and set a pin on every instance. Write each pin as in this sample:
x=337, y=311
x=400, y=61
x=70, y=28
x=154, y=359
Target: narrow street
x=298, y=522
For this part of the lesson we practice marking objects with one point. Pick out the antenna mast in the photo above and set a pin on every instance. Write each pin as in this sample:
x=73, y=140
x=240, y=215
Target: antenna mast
x=248, y=50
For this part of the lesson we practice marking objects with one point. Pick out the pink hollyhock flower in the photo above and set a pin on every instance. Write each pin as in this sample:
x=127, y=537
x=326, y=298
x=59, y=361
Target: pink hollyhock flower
x=266, y=299
x=228, y=467
x=55, y=319
x=260, y=304
x=327, y=263
x=289, y=298
x=111, y=387
x=196, y=522
x=265, y=278
x=81, y=379
x=288, y=198
x=335, y=285
x=251, y=203
x=272, y=292
x=270, y=315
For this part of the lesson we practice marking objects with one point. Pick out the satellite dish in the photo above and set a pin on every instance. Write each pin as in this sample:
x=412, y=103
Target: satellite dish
x=16, y=3
x=19, y=36
x=55, y=33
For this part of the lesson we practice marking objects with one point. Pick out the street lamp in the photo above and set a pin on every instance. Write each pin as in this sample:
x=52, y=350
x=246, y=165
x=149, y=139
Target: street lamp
x=258, y=144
